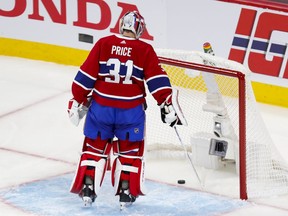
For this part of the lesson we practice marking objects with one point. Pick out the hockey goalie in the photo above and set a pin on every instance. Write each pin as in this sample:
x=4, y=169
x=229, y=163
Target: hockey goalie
x=114, y=74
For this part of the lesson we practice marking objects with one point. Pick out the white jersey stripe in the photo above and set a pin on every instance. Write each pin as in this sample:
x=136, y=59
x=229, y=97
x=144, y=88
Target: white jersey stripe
x=118, y=96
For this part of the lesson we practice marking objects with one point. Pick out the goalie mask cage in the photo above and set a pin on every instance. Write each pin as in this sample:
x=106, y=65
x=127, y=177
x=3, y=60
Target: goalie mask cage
x=215, y=90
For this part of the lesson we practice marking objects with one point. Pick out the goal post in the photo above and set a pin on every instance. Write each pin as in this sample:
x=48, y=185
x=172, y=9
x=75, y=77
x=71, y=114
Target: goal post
x=242, y=110
x=224, y=128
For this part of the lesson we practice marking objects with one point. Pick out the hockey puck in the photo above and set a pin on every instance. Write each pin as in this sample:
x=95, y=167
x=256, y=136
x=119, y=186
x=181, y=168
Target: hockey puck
x=181, y=181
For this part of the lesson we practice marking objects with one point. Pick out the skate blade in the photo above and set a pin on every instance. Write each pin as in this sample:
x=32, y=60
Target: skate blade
x=124, y=205
x=87, y=201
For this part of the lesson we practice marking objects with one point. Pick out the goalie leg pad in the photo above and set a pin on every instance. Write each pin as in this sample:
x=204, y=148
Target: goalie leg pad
x=129, y=167
x=223, y=127
x=214, y=104
x=92, y=163
x=133, y=173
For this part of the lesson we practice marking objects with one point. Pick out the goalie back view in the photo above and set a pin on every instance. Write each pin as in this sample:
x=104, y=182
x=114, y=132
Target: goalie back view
x=114, y=74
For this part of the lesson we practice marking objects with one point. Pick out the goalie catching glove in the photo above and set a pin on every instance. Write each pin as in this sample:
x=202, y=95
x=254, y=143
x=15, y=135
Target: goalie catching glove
x=77, y=111
x=171, y=112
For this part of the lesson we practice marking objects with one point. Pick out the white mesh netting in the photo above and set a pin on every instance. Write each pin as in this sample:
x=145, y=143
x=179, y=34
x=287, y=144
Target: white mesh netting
x=267, y=173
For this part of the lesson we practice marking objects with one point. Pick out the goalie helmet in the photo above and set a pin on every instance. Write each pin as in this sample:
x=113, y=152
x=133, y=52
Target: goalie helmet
x=134, y=22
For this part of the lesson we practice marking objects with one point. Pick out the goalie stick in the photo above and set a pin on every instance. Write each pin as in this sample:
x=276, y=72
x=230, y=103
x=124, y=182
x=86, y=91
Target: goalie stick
x=188, y=156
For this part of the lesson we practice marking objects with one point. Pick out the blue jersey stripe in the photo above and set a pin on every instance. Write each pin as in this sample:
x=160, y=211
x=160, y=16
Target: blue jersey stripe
x=84, y=80
x=158, y=83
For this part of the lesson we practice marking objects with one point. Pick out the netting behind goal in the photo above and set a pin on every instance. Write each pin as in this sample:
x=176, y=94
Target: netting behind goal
x=224, y=123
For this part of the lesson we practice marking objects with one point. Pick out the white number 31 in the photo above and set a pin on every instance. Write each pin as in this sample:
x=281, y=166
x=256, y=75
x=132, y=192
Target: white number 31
x=116, y=71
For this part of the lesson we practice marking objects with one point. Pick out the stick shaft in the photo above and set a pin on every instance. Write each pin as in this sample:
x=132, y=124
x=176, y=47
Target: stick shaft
x=188, y=156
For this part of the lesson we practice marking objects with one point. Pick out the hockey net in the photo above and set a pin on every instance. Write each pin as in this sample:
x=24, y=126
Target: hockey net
x=224, y=124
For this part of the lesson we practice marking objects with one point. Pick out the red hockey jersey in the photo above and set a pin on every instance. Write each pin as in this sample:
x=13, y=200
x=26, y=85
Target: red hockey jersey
x=115, y=71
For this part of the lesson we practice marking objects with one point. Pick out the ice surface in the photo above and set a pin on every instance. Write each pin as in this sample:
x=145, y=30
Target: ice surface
x=39, y=150
x=51, y=197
